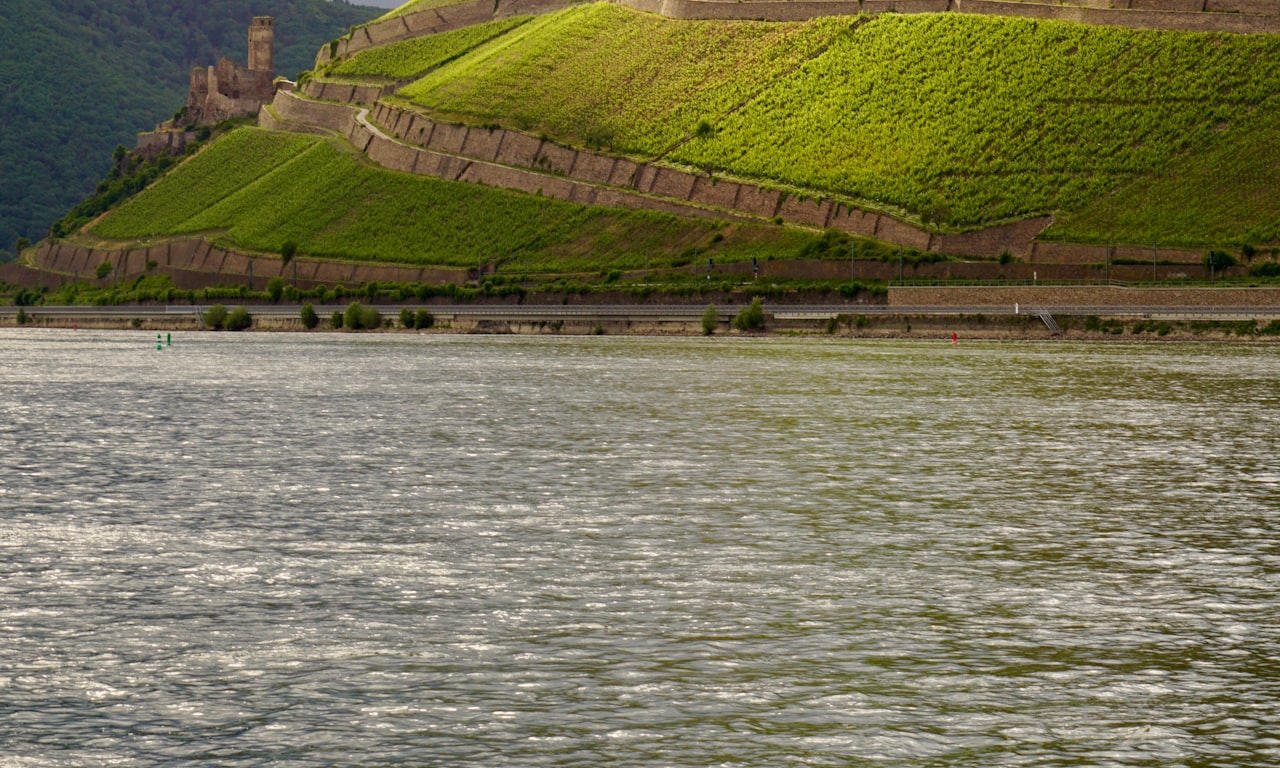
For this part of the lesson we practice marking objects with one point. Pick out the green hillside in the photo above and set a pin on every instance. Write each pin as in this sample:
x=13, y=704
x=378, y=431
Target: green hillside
x=258, y=189
x=78, y=77
x=955, y=122
x=959, y=120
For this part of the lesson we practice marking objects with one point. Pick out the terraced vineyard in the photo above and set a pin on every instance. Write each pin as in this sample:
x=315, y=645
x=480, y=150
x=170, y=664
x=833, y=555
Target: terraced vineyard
x=259, y=189
x=957, y=120
x=416, y=56
x=943, y=115
x=242, y=158
x=609, y=76
x=1228, y=193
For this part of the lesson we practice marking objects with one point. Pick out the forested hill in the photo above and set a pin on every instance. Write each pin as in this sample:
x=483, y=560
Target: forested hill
x=78, y=77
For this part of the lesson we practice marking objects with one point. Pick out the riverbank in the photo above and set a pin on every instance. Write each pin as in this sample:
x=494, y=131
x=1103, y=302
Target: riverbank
x=843, y=321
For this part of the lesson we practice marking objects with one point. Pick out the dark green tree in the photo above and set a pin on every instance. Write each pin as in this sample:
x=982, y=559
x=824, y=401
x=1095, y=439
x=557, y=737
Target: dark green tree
x=309, y=317
x=237, y=319
x=275, y=288
x=751, y=318
x=710, y=320
x=214, y=317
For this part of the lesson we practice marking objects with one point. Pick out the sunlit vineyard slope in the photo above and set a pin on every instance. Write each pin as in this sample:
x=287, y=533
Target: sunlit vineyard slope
x=258, y=189
x=958, y=120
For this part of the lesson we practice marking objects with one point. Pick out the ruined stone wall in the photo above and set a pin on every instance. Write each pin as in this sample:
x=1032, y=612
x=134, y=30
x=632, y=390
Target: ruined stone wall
x=198, y=91
x=235, y=82
x=154, y=143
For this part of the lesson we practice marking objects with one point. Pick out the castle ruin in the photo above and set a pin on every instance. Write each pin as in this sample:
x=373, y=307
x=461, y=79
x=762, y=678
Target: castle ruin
x=226, y=89
x=221, y=91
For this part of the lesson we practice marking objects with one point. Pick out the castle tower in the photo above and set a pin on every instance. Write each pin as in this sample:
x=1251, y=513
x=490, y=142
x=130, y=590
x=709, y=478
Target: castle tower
x=262, y=44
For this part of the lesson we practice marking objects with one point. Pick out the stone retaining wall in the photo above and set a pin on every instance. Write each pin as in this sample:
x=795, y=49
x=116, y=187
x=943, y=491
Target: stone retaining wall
x=327, y=90
x=1083, y=296
x=1074, y=253
x=190, y=262
x=195, y=263
x=292, y=108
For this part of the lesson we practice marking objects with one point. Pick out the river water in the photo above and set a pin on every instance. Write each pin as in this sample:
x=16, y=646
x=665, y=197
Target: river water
x=306, y=550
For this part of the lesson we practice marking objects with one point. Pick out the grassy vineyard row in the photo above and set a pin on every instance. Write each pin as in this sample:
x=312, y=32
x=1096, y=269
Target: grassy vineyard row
x=242, y=158
x=959, y=120
x=1224, y=193
x=268, y=188
x=413, y=57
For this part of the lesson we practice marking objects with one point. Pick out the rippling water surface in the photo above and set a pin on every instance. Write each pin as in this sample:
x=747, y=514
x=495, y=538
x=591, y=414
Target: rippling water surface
x=303, y=550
